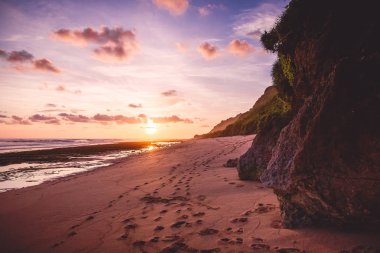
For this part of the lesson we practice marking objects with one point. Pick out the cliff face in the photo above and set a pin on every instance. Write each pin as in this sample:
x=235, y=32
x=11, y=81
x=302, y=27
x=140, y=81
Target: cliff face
x=324, y=163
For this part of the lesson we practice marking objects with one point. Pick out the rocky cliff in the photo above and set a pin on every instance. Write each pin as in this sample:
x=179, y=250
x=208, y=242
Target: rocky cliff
x=324, y=160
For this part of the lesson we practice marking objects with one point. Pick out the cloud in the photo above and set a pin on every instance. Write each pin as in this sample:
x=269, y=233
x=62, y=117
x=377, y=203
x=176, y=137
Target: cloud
x=135, y=105
x=3, y=116
x=75, y=118
x=18, y=121
x=44, y=119
x=24, y=57
x=51, y=105
x=171, y=119
x=208, y=51
x=240, y=48
x=96, y=119
x=253, y=22
x=20, y=56
x=62, y=88
x=114, y=44
x=181, y=47
x=175, y=7
x=209, y=8
x=119, y=119
x=169, y=93
x=46, y=65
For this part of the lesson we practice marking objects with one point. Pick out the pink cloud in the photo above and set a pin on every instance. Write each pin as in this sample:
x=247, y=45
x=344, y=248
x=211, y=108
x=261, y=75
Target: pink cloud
x=175, y=7
x=23, y=58
x=240, y=48
x=181, y=47
x=169, y=93
x=97, y=119
x=62, y=88
x=171, y=119
x=208, y=51
x=20, y=56
x=75, y=118
x=45, y=65
x=114, y=44
x=44, y=119
x=209, y=8
x=18, y=121
x=135, y=105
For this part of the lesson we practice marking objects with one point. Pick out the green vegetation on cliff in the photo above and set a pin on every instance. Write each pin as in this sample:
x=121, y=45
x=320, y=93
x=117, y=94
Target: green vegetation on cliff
x=270, y=104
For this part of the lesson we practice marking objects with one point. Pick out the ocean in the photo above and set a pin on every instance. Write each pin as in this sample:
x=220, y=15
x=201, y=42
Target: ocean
x=29, y=162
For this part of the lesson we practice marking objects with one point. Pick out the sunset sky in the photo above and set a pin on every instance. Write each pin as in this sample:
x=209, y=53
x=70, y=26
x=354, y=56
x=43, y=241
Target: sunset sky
x=117, y=69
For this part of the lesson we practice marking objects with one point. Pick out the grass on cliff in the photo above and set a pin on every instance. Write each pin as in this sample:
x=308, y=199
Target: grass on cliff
x=251, y=122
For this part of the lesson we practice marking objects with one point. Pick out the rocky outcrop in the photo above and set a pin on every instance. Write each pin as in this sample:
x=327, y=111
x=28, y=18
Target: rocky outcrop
x=324, y=164
x=256, y=159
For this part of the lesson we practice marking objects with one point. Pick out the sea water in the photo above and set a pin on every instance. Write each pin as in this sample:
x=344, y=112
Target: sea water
x=19, y=175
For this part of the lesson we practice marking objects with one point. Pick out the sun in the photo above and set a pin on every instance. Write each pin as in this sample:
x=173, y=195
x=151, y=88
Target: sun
x=150, y=127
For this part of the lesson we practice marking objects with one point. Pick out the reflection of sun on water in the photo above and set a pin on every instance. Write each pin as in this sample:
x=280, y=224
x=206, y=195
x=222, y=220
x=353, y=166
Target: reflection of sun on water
x=150, y=127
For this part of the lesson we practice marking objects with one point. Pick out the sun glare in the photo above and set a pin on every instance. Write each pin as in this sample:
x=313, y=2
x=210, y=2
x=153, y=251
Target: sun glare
x=150, y=127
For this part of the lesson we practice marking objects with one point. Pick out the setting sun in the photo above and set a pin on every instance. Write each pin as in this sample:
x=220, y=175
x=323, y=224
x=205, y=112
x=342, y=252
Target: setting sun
x=150, y=128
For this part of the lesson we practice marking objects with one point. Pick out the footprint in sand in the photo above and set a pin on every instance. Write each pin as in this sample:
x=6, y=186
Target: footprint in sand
x=208, y=231
x=124, y=237
x=276, y=224
x=178, y=224
x=295, y=250
x=199, y=214
x=239, y=220
x=157, y=219
x=72, y=233
x=201, y=197
x=214, y=250
x=170, y=238
x=131, y=226
x=138, y=243
x=260, y=246
x=264, y=208
x=184, y=216
x=159, y=228
x=154, y=239
x=199, y=221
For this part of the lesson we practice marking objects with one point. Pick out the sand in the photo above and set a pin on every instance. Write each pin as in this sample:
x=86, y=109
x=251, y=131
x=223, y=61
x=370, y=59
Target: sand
x=178, y=199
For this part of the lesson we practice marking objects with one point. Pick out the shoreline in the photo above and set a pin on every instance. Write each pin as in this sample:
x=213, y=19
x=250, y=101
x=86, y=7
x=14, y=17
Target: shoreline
x=28, y=168
x=183, y=188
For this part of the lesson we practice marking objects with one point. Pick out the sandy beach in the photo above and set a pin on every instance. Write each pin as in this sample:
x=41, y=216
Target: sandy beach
x=178, y=199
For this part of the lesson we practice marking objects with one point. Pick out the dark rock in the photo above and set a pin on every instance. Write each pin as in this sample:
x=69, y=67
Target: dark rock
x=232, y=163
x=256, y=159
x=324, y=164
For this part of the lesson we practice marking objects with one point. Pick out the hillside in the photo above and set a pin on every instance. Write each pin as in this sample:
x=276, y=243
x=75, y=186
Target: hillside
x=250, y=122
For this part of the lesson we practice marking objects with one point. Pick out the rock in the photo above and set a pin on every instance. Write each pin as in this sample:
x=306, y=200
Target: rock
x=231, y=163
x=324, y=163
x=256, y=159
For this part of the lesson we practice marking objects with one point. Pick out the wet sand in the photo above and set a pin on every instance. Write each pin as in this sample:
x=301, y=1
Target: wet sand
x=178, y=199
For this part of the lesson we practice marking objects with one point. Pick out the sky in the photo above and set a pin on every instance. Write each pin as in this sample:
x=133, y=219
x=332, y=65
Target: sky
x=130, y=69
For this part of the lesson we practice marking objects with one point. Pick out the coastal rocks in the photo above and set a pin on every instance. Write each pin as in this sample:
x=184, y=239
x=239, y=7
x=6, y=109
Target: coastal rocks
x=256, y=159
x=324, y=164
x=231, y=163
